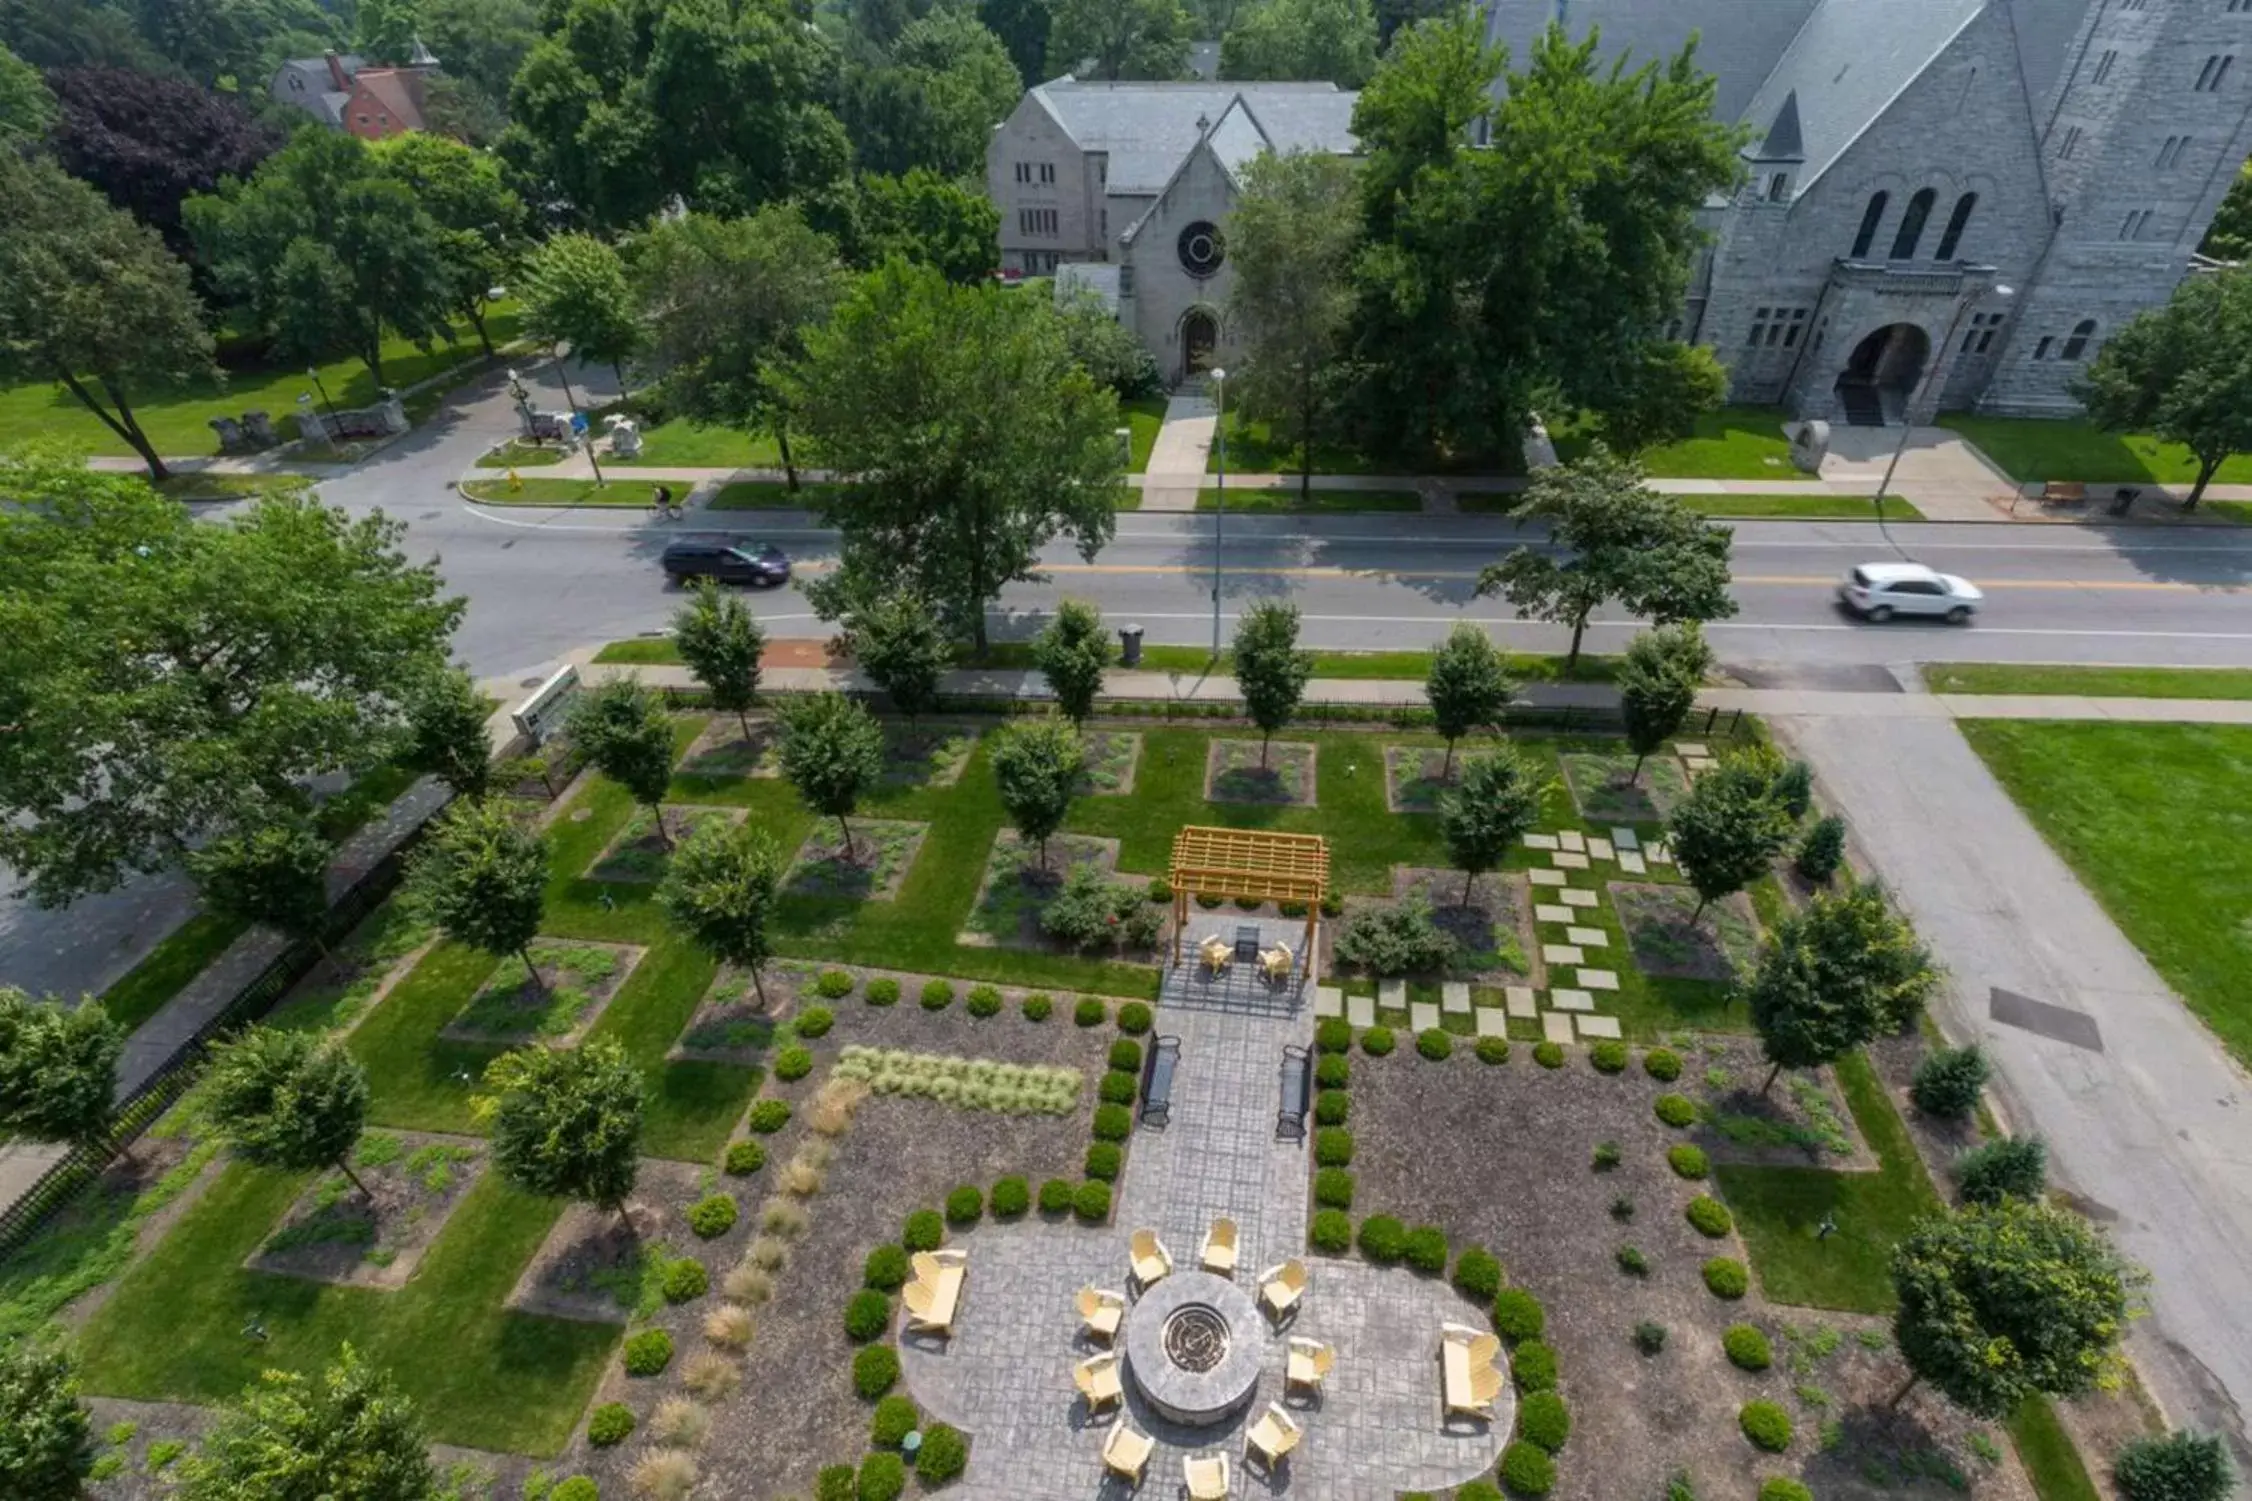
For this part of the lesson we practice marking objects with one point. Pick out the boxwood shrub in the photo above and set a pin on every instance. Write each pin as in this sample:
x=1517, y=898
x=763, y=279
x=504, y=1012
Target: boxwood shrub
x=814, y=1021
x=1710, y=1216
x=1333, y=1034
x=937, y=995
x=1527, y=1470
x=1518, y=1315
x=1543, y=1419
x=713, y=1215
x=1331, y=1107
x=768, y=1116
x=886, y=1268
x=1091, y=1202
x=1548, y=1055
x=792, y=1064
x=883, y=991
x=1534, y=1366
x=1725, y=1277
x=609, y=1424
x=965, y=1205
x=1089, y=1012
x=648, y=1352
x=875, y=1370
x=1378, y=1041
x=1113, y=1123
x=833, y=984
x=983, y=1001
x=1134, y=1018
x=1038, y=1008
x=1477, y=1274
x=1783, y=1488
x=1766, y=1425
x=1126, y=1056
x=1333, y=1147
x=895, y=1418
x=1676, y=1110
x=1333, y=1188
x=1103, y=1159
x=883, y=1476
x=1435, y=1044
x=943, y=1457
x=1747, y=1349
x=1383, y=1239
x=1333, y=1071
x=1426, y=1250
x=867, y=1315
x=1662, y=1064
x=574, y=1488
x=1608, y=1057
x=835, y=1483
x=1688, y=1161
x=1332, y=1231
x=1055, y=1196
x=923, y=1231
x=1493, y=1050
x=1117, y=1088
x=745, y=1158
x=1012, y=1197
x=685, y=1280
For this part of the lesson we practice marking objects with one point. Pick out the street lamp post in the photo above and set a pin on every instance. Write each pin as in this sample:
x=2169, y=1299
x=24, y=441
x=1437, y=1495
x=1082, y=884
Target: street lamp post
x=1915, y=397
x=1220, y=501
x=315, y=372
x=571, y=397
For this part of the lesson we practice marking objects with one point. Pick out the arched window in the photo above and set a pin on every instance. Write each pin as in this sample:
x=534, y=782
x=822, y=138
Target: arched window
x=1955, y=224
x=1871, y=217
x=1912, y=224
x=2082, y=332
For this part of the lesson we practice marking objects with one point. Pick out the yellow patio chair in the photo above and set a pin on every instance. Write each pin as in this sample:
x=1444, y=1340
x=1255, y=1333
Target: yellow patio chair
x=1098, y=1381
x=1220, y=1247
x=1275, y=963
x=1484, y=1349
x=1126, y=1451
x=1310, y=1363
x=1207, y=1476
x=1280, y=1287
x=1216, y=952
x=1100, y=1312
x=1458, y=1377
x=1272, y=1438
x=1152, y=1263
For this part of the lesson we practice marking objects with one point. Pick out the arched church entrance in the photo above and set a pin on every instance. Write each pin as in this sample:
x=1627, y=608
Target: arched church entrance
x=1881, y=375
x=1200, y=338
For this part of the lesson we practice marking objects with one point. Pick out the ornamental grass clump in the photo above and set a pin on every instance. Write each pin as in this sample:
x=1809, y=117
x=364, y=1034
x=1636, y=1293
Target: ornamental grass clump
x=966, y=1083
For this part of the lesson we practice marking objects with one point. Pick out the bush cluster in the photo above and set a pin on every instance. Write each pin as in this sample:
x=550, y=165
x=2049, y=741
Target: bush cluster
x=814, y=1021
x=836, y=1483
x=2004, y=1168
x=792, y=1064
x=1425, y=1250
x=833, y=984
x=984, y=1001
x=867, y=1315
x=1662, y=1064
x=875, y=1370
x=2178, y=1467
x=1543, y=1419
x=1113, y=1123
x=648, y=1352
x=1493, y=1050
x=1332, y=1034
x=1434, y=1044
x=937, y=995
x=1649, y=1338
x=1089, y=1012
x=1331, y=1107
x=1607, y=1155
x=886, y=1268
x=1103, y=1160
x=1534, y=1366
x=1400, y=939
x=1038, y=1008
x=1782, y=1488
x=1822, y=851
x=1766, y=1425
x=1688, y=1161
x=713, y=1215
x=1091, y=1202
x=1055, y=1196
x=1477, y=1274
x=1518, y=1315
x=1333, y=1188
x=1710, y=1216
x=944, y=1455
x=1160, y=889
x=769, y=1116
x=971, y=1083
x=1527, y=1470
x=575, y=1488
x=1135, y=1018
x=1117, y=1088
x=1332, y=1231
x=1333, y=1147
x=745, y=1158
x=923, y=1231
x=1333, y=1071
x=1947, y=1083
x=883, y=991
x=1726, y=1277
x=1608, y=1057
x=1012, y=1199
x=1631, y=1261
x=965, y=1205
x=1548, y=1054
x=1747, y=1349
x=1676, y=1110
x=1377, y=1042
x=685, y=1279
x=895, y=1418
x=1126, y=1056
x=609, y=1424
x=883, y=1476
x=1383, y=1239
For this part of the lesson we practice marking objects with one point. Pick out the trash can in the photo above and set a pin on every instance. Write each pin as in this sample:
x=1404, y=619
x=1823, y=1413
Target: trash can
x=1130, y=645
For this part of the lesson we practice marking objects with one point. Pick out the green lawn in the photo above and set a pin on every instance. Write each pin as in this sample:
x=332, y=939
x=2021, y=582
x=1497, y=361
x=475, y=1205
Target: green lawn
x=517, y=454
x=769, y=495
x=680, y=444
x=2051, y=1462
x=1144, y=415
x=1286, y=499
x=1796, y=507
x=2030, y=450
x=541, y=491
x=2095, y=682
x=2157, y=822
x=1778, y=1209
x=179, y=424
x=191, y=489
x=1731, y=443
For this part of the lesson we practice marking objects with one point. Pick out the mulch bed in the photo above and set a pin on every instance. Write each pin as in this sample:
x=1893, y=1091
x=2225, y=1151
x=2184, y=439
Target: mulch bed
x=1599, y=786
x=1494, y=925
x=873, y=871
x=926, y=755
x=1016, y=887
x=592, y=1265
x=1113, y=757
x=730, y=1026
x=1665, y=942
x=1233, y=774
x=726, y=749
x=640, y=854
x=1501, y=1156
x=334, y=1234
x=1412, y=783
x=1802, y=1122
x=578, y=980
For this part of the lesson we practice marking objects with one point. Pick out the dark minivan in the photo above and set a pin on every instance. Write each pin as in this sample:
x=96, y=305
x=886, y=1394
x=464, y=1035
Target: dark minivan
x=736, y=563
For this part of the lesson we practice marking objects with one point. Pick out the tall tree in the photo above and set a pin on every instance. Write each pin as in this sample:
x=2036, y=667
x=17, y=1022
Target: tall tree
x=290, y=1100
x=481, y=42
x=347, y=1433
x=2178, y=371
x=930, y=221
x=481, y=877
x=1658, y=685
x=272, y=870
x=149, y=142
x=160, y=672
x=1839, y=973
x=46, y=1432
x=1022, y=26
x=832, y=753
x=1112, y=354
x=58, y=1070
x=934, y=102
x=973, y=439
x=575, y=292
x=1482, y=820
x=1072, y=651
x=721, y=642
x=725, y=301
x=623, y=728
x=1310, y=39
x=1270, y=670
x=2001, y=1303
x=325, y=252
x=1468, y=686
x=1037, y=764
x=445, y=732
x=26, y=107
x=92, y=301
x=566, y=1122
x=900, y=643
x=484, y=227
x=720, y=889
x=1728, y=830
x=1292, y=238
x=388, y=29
x=1118, y=39
x=1625, y=542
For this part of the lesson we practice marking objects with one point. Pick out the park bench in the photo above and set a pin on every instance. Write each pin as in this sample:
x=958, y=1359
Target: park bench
x=1297, y=1089
x=1157, y=1080
x=2060, y=492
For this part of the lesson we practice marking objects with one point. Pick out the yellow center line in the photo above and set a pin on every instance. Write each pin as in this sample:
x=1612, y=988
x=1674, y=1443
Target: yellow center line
x=1772, y=579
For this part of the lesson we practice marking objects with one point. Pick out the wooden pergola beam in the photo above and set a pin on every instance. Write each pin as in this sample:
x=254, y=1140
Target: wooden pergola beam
x=1247, y=863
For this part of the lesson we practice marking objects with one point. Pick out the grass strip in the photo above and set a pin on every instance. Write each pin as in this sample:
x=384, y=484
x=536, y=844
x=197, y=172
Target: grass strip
x=2051, y=1461
x=540, y=490
x=1284, y=499
x=2233, y=683
x=190, y=949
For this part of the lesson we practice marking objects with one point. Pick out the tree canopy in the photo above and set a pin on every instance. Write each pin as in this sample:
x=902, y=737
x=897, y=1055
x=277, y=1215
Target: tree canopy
x=272, y=871
x=623, y=728
x=1728, y=829
x=934, y=101
x=1270, y=671
x=46, y=1432
x=480, y=876
x=26, y=106
x=290, y=1100
x=721, y=642
x=1118, y=39
x=150, y=142
x=566, y=1122
x=576, y=293
x=720, y=887
x=1838, y=973
x=931, y=221
x=1302, y=39
x=1658, y=684
x=348, y=1432
x=58, y=1069
x=1072, y=651
x=903, y=647
x=164, y=674
x=1037, y=764
x=2179, y=371
x=1468, y=686
x=1483, y=819
x=833, y=754
x=484, y=228
x=445, y=732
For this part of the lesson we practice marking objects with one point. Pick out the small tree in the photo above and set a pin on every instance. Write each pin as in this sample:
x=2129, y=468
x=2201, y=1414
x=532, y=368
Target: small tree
x=899, y=641
x=721, y=642
x=2177, y=371
x=624, y=731
x=2008, y=1167
x=1998, y=1304
x=2179, y=1467
x=1036, y=766
x=1483, y=819
x=58, y=1070
x=286, y=1100
x=1071, y=653
x=720, y=889
x=576, y=293
x=832, y=752
x=446, y=733
x=566, y=1123
x=1728, y=830
x=1468, y=686
x=1270, y=670
x=1657, y=686
x=350, y=1433
x=1837, y=974
x=481, y=877
x=275, y=873
x=46, y=1433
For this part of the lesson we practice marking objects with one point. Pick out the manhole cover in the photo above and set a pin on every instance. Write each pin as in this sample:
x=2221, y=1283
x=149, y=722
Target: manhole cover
x=1196, y=1338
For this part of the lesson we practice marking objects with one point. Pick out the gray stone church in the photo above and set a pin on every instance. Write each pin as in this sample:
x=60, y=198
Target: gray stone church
x=1947, y=204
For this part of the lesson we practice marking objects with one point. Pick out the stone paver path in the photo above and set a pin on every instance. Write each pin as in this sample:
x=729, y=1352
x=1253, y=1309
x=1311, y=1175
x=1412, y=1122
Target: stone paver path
x=1423, y=1016
x=1454, y=995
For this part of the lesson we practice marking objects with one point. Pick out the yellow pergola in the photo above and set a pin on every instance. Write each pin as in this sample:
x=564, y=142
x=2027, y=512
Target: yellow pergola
x=1249, y=863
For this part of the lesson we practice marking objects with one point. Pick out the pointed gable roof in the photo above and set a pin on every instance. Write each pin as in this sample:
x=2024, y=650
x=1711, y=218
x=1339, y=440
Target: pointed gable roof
x=1785, y=140
x=1148, y=129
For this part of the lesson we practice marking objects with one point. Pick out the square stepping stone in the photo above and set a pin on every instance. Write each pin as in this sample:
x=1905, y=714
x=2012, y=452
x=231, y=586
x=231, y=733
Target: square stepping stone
x=1561, y=953
x=1598, y=1026
x=1575, y=898
x=1328, y=1001
x=1391, y=994
x=1566, y=860
x=1423, y=1016
x=1454, y=996
x=1589, y=938
x=1599, y=979
x=1570, y=839
x=1600, y=849
x=1659, y=854
x=1546, y=913
x=1547, y=877
x=1626, y=839
x=1556, y=1027
x=1692, y=748
x=1520, y=998
x=1360, y=1010
x=1540, y=841
x=1631, y=863
x=1493, y=1023
x=1570, y=1000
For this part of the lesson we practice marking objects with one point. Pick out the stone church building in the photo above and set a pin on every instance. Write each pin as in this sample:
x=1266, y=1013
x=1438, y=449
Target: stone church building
x=1947, y=204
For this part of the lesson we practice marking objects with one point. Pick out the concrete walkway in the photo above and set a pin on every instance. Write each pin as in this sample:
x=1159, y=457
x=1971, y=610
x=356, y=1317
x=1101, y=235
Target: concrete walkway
x=1177, y=461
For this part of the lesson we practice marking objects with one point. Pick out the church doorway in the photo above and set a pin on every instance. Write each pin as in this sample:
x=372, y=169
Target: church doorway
x=1881, y=375
x=1200, y=337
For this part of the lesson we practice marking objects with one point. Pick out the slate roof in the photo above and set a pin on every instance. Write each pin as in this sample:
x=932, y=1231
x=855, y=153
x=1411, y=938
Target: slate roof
x=1148, y=129
x=1848, y=63
x=1738, y=41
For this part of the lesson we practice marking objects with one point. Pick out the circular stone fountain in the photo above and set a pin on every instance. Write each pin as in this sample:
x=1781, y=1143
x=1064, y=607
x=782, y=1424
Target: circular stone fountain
x=1193, y=1347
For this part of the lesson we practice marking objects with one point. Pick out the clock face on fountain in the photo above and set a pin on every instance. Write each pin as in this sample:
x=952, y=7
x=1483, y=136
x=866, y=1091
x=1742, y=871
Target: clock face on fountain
x=1202, y=250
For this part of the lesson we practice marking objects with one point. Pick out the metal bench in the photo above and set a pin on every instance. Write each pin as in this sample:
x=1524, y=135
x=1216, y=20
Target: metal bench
x=1157, y=1080
x=1297, y=1089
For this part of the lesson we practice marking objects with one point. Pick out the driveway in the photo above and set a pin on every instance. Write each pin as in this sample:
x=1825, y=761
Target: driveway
x=2151, y=1129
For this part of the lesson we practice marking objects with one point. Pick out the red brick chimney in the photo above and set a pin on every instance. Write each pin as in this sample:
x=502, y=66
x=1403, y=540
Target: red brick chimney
x=337, y=75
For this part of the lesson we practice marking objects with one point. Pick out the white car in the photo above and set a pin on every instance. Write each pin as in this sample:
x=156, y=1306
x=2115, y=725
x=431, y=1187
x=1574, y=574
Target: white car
x=1879, y=591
